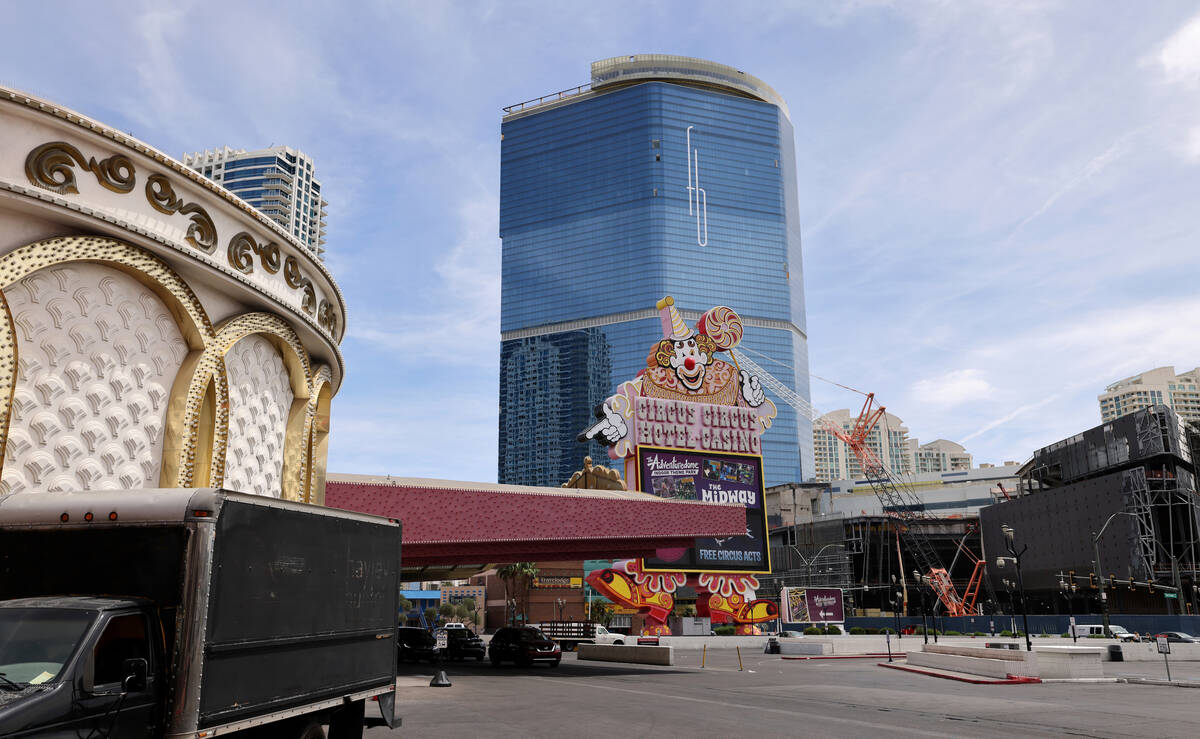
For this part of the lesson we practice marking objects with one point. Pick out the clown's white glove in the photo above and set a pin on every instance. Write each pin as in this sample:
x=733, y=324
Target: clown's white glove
x=608, y=430
x=752, y=391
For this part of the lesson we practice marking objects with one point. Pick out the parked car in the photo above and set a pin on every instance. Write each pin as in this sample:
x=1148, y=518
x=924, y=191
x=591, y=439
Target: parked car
x=523, y=645
x=415, y=644
x=464, y=644
x=790, y=634
x=1178, y=637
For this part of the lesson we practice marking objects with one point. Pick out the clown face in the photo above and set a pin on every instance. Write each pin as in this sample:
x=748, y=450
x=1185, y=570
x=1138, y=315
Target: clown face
x=689, y=362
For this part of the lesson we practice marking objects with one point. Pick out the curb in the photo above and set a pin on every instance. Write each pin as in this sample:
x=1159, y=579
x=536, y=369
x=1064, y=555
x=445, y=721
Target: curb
x=1011, y=680
x=848, y=656
x=1156, y=681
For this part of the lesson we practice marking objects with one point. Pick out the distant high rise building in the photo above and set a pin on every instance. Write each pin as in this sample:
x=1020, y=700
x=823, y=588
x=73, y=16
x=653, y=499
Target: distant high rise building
x=278, y=181
x=1161, y=386
x=665, y=176
x=938, y=456
x=835, y=461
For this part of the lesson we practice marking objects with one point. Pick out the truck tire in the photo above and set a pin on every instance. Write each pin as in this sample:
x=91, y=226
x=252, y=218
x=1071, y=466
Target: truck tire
x=618, y=643
x=311, y=730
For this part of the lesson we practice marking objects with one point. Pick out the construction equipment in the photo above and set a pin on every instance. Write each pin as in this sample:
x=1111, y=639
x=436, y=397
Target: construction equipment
x=894, y=494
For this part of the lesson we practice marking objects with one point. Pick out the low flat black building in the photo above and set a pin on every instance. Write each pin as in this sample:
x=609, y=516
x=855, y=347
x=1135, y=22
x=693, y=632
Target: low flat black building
x=1137, y=471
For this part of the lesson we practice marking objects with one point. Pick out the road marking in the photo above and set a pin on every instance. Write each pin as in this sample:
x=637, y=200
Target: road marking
x=891, y=728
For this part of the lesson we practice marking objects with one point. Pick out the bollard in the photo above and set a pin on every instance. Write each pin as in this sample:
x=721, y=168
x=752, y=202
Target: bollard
x=739, y=651
x=440, y=680
x=703, y=655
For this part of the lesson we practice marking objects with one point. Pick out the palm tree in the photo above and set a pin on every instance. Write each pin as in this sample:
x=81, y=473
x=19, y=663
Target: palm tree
x=528, y=571
x=518, y=580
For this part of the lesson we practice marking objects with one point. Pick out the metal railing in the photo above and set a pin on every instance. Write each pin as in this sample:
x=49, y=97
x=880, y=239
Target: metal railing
x=552, y=97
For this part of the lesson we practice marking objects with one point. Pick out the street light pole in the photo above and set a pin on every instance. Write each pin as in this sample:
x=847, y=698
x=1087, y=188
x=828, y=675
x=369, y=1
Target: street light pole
x=1068, y=590
x=808, y=563
x=1009, y=536
x=1099, y=572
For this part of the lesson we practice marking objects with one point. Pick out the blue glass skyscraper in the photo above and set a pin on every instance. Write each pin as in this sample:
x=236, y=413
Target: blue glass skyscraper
x=666, y=176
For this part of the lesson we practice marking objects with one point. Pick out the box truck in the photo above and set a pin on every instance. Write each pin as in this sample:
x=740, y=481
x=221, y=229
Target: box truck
x=194, y=613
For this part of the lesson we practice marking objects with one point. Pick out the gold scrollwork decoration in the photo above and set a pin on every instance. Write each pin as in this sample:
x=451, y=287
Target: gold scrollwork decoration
x=50, y=166
x=295, y=279
x=242, y=247
x=327, y=317
x=202, y=234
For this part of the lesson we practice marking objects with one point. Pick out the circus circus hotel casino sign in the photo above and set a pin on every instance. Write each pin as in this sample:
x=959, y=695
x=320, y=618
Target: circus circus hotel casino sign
x=689, y=427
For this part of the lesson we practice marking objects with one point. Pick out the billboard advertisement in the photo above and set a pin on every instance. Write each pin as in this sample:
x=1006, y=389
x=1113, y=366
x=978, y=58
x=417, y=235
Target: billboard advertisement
x=713, y=478
x=812, y=605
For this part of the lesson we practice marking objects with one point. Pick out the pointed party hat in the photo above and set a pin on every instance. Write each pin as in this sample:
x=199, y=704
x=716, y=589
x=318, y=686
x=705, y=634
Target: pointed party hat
x=672, y=323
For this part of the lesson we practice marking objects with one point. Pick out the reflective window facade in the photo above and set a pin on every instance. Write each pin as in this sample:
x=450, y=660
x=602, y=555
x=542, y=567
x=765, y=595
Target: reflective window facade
x=612, y=201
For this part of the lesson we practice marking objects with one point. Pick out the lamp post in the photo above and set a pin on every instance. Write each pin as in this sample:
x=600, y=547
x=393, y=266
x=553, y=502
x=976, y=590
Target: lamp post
x=808, y=563
x=922, y=581
x=1015, y=556
x=561, y=602
x=1068, y=592
x=1100, y=573
x=897, y=604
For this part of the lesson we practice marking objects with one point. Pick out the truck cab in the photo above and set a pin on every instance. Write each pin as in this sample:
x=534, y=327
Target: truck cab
x=80, y=664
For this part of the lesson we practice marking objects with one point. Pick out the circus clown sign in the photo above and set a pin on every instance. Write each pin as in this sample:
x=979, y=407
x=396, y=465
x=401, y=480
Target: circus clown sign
x=689, y=427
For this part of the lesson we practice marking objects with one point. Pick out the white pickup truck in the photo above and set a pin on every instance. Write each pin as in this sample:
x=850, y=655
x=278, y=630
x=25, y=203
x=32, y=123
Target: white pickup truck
x=568, y=634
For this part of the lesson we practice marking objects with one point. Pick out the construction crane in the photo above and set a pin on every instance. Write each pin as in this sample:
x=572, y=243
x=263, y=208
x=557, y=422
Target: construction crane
x=896, y=496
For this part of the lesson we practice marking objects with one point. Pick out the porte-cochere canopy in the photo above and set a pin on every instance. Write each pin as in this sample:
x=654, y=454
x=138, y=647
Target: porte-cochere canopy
x=450, y=525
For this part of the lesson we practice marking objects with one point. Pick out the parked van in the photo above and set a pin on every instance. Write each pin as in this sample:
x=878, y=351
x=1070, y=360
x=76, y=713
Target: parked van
x=1118, y=632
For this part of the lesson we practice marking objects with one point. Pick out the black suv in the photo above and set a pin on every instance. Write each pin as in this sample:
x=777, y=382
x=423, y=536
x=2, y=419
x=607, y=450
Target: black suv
x=523, y=645
x=464, y=644
x=415, y=644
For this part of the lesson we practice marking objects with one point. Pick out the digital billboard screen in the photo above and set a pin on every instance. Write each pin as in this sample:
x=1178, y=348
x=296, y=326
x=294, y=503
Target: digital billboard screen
x=711, y=477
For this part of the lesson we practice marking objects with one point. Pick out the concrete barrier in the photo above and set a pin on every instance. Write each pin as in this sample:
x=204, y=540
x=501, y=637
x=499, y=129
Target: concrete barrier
x=627, y=653
x=1070, y=662
x=987, y=667
x=1008, y=655
x=803, y=646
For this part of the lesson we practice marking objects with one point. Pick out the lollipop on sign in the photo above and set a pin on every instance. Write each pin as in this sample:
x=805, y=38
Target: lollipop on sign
x=721, y=325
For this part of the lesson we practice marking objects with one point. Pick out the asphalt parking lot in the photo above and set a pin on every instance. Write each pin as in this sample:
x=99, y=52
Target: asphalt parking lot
x=773, y=697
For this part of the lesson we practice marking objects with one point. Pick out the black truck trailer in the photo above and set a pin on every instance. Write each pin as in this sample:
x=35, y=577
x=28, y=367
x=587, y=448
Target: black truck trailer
x=194, y=613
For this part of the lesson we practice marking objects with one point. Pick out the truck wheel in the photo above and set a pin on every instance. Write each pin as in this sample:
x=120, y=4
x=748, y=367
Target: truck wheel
x=618, y=643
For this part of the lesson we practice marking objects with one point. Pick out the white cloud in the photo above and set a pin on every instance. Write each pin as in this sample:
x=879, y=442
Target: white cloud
x=953, y=388
x=1192, y=146
x=1180, y=54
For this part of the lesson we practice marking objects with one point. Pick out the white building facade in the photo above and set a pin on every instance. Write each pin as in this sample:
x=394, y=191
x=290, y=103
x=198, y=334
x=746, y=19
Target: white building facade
x=278, y=181
x=835, y=461
x=156, y=330
x=1161, y=386
x=938, y=456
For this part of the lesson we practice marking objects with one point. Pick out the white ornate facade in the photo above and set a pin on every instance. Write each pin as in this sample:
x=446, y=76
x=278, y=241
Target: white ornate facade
x=154, y=330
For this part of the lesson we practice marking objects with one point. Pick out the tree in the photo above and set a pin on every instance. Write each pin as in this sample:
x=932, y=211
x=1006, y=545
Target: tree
x=465, y=610
x=528, y=572
x=404, y=607
x=518, y=581
x=447, y=610
x=431, y=615
x=602, y=613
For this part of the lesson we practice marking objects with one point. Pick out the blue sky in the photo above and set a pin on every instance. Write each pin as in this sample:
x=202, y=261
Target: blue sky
x=1000, y=200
